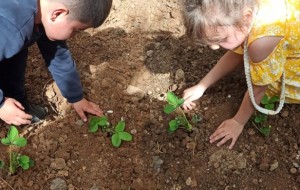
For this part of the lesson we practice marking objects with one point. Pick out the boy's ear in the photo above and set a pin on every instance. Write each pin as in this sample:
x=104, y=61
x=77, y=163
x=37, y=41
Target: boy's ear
x=59, y=13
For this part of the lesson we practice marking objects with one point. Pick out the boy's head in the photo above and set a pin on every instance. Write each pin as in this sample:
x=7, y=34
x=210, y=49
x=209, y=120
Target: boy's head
x=204, y=19
x=61, y=18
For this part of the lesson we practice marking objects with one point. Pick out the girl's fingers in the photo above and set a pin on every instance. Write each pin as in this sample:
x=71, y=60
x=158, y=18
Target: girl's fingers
x=216, y=136
x=224, y=140
x=232, y=143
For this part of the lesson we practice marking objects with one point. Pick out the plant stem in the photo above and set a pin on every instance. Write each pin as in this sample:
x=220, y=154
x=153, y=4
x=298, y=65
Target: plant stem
x=183, y=114
x=10, y=160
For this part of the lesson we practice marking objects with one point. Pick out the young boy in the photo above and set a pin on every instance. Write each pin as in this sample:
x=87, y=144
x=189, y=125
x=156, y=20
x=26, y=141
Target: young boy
x=48, y=23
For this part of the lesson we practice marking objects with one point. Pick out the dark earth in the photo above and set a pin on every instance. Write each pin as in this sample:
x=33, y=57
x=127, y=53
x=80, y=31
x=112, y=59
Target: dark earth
x=127, y=66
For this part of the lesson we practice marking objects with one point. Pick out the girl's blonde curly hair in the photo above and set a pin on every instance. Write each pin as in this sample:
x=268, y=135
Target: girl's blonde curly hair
x=199, y=15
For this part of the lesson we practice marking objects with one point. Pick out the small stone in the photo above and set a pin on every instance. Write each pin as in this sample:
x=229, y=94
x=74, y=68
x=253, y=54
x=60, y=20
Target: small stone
x=133, y=131
x=274, y=165
x=293, y=170
x=285, y=114
x=109, y=111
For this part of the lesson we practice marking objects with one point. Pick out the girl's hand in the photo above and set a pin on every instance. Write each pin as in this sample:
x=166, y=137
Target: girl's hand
x=191, y=94
x=229, y=129
x=12, y=113
x=86, y=106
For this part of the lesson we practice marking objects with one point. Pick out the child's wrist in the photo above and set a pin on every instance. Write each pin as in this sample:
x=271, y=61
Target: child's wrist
x=201, y=86
x=239, y=121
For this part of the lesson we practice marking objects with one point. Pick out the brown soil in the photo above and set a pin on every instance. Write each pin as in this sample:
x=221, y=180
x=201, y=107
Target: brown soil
x=127, y=66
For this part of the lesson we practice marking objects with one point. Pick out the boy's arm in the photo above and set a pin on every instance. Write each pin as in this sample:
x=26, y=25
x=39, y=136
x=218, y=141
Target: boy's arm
x=62, y=67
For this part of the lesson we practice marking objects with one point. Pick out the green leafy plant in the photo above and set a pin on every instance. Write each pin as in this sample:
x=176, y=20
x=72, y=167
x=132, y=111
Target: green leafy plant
x=117, y=132
x=260, y=119
x=15, y=159
x=173, y=105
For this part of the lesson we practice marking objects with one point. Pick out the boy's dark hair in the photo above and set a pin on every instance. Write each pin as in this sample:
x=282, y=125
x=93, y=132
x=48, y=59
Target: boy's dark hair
x=93, y=12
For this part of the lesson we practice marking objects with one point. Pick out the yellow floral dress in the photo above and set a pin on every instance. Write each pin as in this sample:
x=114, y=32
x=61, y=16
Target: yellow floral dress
x=278, y=18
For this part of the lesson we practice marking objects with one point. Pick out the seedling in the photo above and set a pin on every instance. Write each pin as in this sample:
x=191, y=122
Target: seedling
x=15, y=159
x=173, y=105
x=260, y=119
x=117, y=132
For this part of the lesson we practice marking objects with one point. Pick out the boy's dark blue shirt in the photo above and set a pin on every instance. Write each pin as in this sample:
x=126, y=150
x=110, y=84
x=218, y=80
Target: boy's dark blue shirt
x=18, y=31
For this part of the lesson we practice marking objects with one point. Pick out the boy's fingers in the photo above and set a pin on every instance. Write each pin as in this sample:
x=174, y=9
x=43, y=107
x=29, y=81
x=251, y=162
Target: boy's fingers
x=82, y=115
x=18, y=104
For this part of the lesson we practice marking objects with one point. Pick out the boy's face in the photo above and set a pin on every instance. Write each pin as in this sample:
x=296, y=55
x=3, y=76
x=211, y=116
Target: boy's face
x=63, y=29
x=57, y=23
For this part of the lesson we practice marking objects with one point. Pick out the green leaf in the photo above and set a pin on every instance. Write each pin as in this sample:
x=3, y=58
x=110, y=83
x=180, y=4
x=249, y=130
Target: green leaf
x=258, y=119
x=25, y=166
x=120, y=126
x=115, y=140
x=96, y=122
x=103, y=121
x=180, y=102
x=1, y=164
x=23, y=161
x=196, y=118
x=20, y=141
x=93, y=128
x=169, y=108
x=12, y=133
x=173, y=126
x=31, y=163
x=274, y=99
x=5, y=141
x=265, y=100
x=270, y=106
x=172, y=98
x=125, y=136
x=265, y=130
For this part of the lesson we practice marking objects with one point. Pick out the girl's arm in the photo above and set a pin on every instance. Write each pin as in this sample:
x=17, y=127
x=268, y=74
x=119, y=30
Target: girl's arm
x=225, y=65
x=247, y=109
x=232, y=128
x=228, y=62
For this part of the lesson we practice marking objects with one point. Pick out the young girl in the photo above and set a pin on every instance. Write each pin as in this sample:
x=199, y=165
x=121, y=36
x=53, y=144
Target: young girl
x=262, y=34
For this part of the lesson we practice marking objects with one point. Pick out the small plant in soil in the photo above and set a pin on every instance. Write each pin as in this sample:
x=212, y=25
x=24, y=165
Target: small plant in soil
x=16, y=160
x=117, y=132
x=259, y=120
x=173, y=105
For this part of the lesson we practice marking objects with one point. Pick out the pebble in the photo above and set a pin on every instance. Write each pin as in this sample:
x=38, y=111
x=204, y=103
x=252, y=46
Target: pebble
x=285, y=114
x=133, y=131
x=293, y=170
x=274, y=165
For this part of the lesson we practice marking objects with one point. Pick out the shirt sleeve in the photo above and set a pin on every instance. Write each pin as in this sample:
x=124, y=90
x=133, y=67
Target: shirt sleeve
x=2, y=98
x=11, y=40
x=10, y=44
x=62, y=67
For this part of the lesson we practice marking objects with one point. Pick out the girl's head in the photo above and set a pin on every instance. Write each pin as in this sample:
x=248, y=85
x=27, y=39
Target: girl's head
x=222, y=23
x=61, y=18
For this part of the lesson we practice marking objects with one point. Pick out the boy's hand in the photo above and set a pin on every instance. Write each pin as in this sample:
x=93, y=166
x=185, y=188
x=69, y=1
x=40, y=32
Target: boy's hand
x=191, y=94
x=12, y=112
x=229, y=129
x=86, y=106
